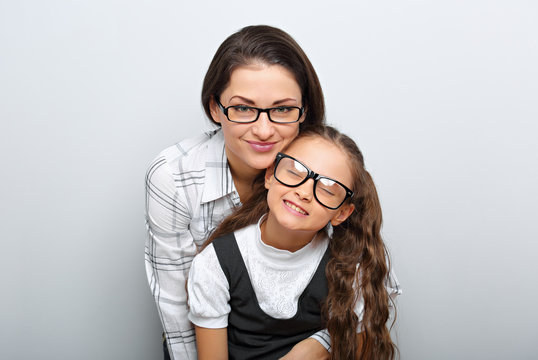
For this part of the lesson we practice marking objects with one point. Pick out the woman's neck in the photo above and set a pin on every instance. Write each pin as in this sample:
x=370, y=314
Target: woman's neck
x=277, y=236
x=243, y=177
x=243, y=185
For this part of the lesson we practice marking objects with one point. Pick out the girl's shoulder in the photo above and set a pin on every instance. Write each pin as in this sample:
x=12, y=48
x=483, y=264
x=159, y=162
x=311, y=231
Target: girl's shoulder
x=236, y=244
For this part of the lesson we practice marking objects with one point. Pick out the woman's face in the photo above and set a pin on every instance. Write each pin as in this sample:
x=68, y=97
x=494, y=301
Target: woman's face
x=253, y=146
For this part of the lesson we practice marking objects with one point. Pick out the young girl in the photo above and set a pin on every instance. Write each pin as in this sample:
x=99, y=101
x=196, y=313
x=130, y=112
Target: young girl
x=261, y=91
x=303, y=255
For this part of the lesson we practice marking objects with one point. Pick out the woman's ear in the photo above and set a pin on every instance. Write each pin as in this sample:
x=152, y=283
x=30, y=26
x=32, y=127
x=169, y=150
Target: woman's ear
x=342, y=214
x=214, y=110
x=268, y=175
x=303, y=116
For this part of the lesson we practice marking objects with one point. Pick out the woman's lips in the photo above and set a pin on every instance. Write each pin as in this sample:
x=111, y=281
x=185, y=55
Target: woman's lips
x=260, y=146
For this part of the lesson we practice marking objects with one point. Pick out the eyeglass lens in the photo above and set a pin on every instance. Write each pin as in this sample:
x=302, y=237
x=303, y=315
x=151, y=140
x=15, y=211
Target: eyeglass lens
x=327, y=191
x=248, y=114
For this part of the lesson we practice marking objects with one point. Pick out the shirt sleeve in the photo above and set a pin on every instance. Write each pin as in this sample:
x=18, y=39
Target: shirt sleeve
x=393, y=289
x=209, y=291
x=168, y=254
x=324, y=338
x=393, y=285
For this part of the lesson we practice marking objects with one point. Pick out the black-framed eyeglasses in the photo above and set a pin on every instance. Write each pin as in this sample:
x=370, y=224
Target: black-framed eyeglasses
x=249, y=114
x=328, y=192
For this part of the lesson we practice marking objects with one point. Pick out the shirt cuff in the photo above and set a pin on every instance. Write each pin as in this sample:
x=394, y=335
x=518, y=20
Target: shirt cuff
x=323, y=338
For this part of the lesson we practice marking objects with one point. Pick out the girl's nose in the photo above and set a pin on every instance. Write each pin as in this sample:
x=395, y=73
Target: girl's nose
x=305, y=191
x=263, y=128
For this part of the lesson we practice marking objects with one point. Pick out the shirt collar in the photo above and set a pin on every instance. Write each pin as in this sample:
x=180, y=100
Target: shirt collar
x=284, y=258
x=218, y=178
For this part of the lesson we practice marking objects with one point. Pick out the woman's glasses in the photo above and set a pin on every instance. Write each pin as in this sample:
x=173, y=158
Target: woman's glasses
x=328, y=192
x=249, y=114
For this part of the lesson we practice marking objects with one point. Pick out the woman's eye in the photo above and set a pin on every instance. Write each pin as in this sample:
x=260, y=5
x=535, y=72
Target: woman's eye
x=242, y=108
x=281, y=109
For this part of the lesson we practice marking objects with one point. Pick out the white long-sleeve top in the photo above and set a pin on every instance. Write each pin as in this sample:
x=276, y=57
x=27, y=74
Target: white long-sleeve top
x=278, y=278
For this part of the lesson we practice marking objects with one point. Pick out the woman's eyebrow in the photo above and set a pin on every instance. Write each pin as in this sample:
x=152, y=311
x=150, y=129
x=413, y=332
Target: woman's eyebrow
x=287, y=100
x=243, y=99
x=251, y=102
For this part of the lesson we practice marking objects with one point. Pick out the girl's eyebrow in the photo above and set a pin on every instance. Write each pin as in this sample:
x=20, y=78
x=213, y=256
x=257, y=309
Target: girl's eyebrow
x=251, y=102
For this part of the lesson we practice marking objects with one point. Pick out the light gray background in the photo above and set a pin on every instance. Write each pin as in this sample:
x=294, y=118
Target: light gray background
x=441, y=96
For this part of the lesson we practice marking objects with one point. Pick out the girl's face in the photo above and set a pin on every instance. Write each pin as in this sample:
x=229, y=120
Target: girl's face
x=252, y=147
x=295, y=208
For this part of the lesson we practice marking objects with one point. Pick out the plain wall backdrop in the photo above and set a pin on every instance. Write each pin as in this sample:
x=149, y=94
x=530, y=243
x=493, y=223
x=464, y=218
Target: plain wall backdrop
x=440, y=95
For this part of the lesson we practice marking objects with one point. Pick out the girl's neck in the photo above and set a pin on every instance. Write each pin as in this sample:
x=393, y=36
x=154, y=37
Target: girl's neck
x=275, y=235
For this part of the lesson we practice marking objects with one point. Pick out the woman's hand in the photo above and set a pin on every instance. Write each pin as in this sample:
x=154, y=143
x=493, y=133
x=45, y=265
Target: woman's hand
x=308, y=349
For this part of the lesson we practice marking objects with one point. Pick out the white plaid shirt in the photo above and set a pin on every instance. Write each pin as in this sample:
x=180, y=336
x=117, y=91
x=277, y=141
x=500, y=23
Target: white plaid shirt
x=189, y=191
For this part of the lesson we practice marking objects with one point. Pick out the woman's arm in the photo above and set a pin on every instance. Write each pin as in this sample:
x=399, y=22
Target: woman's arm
x=169, y=249
x=307, y=349
x=312, y=349
x=212, y=344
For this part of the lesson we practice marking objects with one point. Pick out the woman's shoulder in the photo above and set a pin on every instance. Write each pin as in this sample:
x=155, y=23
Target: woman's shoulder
x=187, y=155
x=193, y=146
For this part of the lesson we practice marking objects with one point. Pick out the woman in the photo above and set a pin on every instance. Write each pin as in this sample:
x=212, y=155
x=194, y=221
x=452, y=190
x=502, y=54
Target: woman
x=261, y=91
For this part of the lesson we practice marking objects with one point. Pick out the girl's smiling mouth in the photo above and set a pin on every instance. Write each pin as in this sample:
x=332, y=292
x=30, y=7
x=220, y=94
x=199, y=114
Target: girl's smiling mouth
x=294, y=207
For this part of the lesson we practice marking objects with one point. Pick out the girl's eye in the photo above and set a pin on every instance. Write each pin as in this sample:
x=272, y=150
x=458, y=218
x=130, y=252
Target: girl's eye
x=327, y=191
x=293, y=173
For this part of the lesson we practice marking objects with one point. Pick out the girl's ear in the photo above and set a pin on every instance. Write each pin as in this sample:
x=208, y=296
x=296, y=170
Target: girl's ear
x=214, y=110
x=342, y=214
x=268, y=175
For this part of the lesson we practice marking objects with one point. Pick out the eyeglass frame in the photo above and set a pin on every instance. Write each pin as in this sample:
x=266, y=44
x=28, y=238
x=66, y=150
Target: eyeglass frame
x=260, y=110
x=314, y=176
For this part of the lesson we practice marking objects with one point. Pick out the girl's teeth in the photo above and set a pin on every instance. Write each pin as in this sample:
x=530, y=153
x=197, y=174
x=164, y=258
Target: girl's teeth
x=296, y=208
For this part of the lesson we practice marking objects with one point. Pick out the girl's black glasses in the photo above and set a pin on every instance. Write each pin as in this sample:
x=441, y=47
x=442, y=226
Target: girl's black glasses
x=328, y=192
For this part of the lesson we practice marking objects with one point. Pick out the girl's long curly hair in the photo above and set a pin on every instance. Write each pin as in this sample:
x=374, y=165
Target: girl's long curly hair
x=359, y=260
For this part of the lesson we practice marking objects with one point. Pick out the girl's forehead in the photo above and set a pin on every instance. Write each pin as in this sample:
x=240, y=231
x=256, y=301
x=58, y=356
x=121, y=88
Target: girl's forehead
x=309, y=145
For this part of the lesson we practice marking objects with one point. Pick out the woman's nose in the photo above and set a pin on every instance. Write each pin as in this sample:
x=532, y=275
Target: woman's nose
x=263, y=128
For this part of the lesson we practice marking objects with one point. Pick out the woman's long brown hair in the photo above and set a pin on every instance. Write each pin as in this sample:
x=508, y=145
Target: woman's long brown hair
x=267, y=45
x=355, y=241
